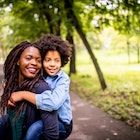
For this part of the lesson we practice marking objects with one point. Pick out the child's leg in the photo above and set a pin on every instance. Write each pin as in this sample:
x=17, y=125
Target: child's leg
x=34, y=131
x=65, y=130
x=62, y=131
x=46, y=128
x=37, y=128
x=50, y=125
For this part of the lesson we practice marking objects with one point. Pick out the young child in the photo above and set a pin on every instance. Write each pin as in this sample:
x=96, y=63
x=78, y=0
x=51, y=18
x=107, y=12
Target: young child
x=56, y=54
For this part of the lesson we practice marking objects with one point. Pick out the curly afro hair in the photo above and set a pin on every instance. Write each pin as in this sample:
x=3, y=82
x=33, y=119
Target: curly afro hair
x=52, y=42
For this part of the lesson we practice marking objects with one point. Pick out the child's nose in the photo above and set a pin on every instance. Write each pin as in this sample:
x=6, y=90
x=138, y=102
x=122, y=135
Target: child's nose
x=52, y=63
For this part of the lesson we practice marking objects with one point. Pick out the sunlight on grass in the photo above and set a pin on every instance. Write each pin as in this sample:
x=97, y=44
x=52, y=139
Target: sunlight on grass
x=121, y=99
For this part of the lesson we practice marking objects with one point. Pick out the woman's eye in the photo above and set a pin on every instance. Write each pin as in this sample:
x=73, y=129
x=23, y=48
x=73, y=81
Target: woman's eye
x=39, y=60
x=28, y=58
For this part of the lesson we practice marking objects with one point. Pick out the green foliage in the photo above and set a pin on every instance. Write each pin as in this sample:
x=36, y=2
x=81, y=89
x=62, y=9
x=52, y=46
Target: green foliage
x=122, y=103
x=122, y=97
x=29, y=19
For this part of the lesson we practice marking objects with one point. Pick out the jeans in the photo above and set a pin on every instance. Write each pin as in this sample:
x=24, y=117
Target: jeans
x=33, y=132
x=2, y=126
x=5, y=128
x=36, y=129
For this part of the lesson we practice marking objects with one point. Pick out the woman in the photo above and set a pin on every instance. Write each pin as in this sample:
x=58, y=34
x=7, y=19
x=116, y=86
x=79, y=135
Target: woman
x=56, y=55
x=22, y=71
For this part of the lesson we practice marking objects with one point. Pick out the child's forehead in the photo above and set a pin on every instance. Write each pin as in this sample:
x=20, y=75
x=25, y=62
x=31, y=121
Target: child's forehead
x=52, y=53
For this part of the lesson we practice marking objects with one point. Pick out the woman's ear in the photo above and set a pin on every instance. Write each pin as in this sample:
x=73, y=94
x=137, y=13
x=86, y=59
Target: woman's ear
x=18, y=63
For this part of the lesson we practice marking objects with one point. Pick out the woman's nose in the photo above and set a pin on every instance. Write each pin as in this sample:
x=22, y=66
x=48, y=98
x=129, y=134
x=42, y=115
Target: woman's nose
x=34, y=62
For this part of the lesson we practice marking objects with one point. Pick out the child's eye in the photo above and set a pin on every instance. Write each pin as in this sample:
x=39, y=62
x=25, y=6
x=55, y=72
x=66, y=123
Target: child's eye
x=57, y=60
x=47, y=60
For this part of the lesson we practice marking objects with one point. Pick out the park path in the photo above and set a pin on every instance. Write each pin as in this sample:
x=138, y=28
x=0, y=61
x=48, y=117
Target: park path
x=91, y=123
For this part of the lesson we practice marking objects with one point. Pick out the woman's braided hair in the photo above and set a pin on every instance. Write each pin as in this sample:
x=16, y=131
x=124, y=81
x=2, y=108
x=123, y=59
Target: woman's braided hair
x=11, y=77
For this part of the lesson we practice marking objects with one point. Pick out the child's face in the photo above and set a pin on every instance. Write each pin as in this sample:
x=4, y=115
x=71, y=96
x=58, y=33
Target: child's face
x=52, y=62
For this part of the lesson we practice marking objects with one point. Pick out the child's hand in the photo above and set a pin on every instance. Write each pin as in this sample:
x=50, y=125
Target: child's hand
x=15, y=97
x=11, y=104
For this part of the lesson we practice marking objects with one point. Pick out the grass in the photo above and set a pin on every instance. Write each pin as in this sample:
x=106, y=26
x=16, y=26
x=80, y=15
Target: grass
x=121, y=99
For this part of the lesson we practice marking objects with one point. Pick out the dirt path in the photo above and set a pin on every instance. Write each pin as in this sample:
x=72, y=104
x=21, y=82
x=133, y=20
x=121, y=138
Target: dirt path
x=91, y=123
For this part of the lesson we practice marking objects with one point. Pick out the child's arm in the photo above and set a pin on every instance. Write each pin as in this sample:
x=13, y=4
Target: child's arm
x=28, y=96
x=22, y=95
x=47, y=100
x=53, y=100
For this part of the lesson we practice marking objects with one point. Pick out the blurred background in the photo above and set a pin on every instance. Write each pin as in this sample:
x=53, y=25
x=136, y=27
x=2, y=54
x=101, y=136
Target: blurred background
x=105, y=34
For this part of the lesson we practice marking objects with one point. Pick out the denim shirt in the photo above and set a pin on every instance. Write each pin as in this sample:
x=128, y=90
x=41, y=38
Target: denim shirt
x=58, y=98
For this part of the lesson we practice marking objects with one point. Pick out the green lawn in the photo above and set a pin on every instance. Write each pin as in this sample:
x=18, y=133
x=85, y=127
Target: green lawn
x=121, y=99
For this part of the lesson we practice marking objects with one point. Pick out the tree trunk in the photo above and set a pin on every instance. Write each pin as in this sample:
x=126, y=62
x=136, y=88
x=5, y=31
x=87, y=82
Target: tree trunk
x=73, y=57
x=74, y=21
x=128, y=51
x=47, y=15
x=54, y=28
x=2, y=51
x=69, y=37
x=138, y=52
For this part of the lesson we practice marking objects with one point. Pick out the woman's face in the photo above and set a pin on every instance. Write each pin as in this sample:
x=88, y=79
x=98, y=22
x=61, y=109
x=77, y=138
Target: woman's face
x=30, y=63
x=52, y=62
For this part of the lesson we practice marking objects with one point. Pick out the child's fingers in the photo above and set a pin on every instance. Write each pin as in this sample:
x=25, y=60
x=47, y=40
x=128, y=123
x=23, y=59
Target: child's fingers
x=11, y=104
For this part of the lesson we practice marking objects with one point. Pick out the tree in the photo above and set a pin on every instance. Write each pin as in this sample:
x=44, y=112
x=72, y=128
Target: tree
x=50, y=11
x=74, y=20
x=37, y=17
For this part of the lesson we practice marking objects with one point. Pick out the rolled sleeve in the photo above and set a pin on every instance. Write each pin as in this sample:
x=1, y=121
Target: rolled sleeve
x=44, y=102
x=38, y=101
x=54, y=99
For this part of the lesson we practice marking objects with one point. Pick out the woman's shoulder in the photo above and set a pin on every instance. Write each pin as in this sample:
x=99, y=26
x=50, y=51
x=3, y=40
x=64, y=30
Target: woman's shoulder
x=40, y=86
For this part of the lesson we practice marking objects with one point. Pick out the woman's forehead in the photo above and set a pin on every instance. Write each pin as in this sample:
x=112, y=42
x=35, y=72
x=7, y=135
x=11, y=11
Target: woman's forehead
x=31, y=50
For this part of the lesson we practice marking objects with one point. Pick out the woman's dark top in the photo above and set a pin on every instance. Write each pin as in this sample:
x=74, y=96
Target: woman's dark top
x=32, y=114
x=50, y=119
